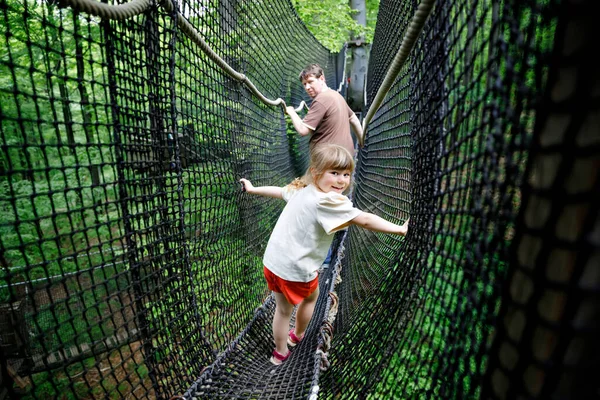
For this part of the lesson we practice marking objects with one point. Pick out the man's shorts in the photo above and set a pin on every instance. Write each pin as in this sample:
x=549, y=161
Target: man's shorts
x=294, y=292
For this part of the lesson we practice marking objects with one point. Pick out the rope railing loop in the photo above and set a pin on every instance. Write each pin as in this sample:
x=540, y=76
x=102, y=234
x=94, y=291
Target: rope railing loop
x=117, y=12
x=334, y=299
x=326, y=333
x=326, y=341
x=333, y=309
x=301, y=106
x=338, y=262
x=324, y=363
x=329, y=327
x=408, y=43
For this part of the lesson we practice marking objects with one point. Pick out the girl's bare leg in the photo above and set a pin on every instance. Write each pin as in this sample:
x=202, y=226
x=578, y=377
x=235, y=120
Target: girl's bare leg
x=304, y=312
x=281, y=322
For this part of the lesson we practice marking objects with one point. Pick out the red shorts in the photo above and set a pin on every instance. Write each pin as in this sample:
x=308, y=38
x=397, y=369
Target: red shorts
x=294, y=292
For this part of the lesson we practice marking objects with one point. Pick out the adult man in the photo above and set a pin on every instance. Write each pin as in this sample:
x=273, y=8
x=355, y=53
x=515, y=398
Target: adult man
x=329, y=117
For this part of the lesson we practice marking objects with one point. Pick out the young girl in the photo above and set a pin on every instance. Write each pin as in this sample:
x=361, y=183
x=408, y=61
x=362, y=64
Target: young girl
x=302, y=236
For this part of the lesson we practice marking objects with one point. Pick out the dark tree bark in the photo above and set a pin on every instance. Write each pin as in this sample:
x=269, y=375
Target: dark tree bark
x=359, y=60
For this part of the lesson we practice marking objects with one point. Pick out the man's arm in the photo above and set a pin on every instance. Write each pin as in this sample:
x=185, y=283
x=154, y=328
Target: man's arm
x=302, y=129
x=358, y=130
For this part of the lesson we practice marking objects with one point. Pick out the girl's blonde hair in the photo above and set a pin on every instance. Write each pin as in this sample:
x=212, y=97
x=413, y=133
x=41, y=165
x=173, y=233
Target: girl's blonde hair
x=322, y=158
x=330, y=156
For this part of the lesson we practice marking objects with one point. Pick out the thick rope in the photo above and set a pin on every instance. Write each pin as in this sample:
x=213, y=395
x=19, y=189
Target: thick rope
x=136, y=7
x=301, y=106
x=408, y=42
x=116, y=12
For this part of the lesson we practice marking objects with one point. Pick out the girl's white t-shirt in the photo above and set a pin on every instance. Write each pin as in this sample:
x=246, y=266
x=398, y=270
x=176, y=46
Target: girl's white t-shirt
x=304, y=231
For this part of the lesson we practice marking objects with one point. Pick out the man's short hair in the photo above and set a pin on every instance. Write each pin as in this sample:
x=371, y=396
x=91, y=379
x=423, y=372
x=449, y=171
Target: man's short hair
x=311, y=69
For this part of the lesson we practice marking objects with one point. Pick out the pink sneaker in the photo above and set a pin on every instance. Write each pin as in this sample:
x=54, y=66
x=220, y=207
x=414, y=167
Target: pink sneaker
x=277, y=358
x=293, y=340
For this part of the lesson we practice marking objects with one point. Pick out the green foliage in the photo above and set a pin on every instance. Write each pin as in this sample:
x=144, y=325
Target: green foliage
x=331, y=21
x=372, y=11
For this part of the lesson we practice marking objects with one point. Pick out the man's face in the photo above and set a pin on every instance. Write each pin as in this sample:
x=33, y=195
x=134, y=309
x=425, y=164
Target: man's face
x=313, y=86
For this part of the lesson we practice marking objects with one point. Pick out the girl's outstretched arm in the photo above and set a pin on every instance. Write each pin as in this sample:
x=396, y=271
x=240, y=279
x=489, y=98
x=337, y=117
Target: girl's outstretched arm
x=375, y=223
x=267, y=191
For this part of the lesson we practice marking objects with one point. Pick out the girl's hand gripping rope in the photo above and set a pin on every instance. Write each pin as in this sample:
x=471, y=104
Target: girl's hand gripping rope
x=246, y=185
x=405, y=226
x=268, y=191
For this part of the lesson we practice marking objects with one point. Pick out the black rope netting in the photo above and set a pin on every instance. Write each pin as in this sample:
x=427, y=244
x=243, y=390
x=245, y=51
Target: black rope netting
x=131, y=260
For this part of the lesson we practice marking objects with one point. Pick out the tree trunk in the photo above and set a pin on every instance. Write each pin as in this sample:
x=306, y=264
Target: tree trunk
x=64, y=101
x=359, y=60
x=54, y=63
x=86, y=109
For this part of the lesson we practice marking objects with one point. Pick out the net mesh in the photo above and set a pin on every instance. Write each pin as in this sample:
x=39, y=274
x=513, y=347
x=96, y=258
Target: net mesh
x=131, y=260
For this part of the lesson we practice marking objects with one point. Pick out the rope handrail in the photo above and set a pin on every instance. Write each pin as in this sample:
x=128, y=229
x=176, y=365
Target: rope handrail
x=136, y=7
x=408, y=42
x=301, y=106
x=116, y=12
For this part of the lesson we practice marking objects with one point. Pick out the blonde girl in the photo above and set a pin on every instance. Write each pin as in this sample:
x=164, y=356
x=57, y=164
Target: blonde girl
x=316, y=208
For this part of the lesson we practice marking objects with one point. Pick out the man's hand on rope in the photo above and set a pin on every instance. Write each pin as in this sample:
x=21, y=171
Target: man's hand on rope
x=297, y=121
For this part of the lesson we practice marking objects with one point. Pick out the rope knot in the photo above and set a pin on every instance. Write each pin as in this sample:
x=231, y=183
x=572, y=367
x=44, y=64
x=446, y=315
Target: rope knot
x=324, y=363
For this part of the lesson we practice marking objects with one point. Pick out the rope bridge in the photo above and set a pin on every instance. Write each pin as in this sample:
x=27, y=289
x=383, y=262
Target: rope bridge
x=130, y=260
